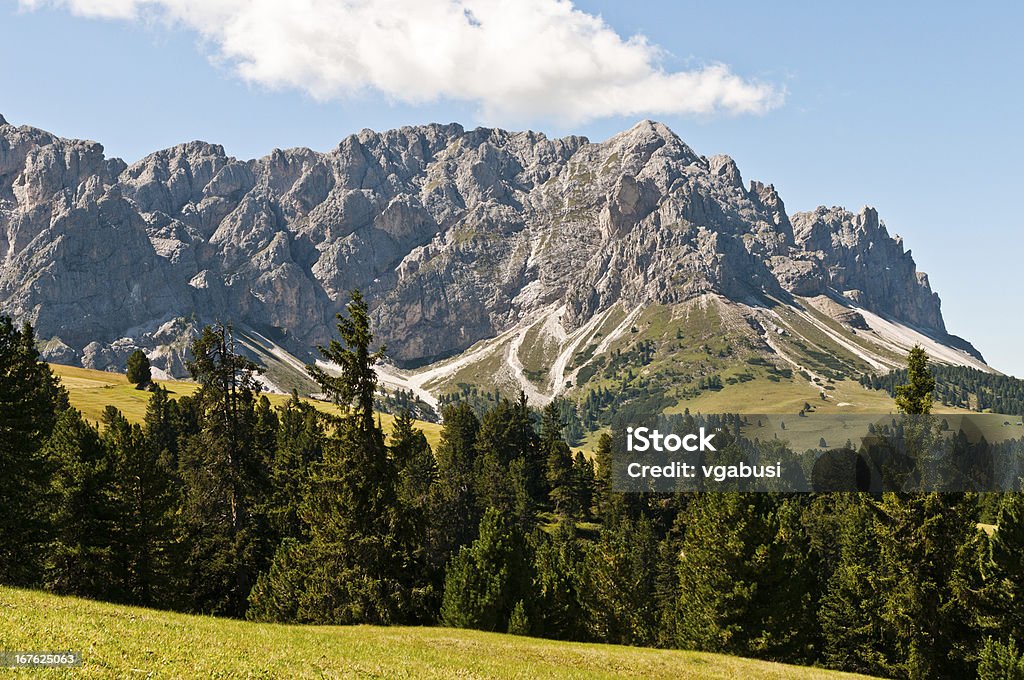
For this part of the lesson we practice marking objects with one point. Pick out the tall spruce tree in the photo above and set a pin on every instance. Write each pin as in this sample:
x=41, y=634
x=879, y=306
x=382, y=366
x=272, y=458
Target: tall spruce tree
x=849, y=616
x=927, y=571
x=1005, y=569
x=561, y=480
x=915, y=397
x=486, y=581
x=667, y=586
x=456, y=513
x=354, y=386
x=417, y=473
x=509, y=465
x=745, y=583
x=31, y=401
x=928, y=545
x=224, y=476
x=163, y=427
x=417, y=468
x=603, y=474
x=357, y=561
x=582, y=486
x=143, y=499
x=81, y=558
x=560, y=590
x=619, y=572
x=299, y=444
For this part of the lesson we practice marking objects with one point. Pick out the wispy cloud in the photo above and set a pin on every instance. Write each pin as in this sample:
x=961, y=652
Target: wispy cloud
x=517, y=61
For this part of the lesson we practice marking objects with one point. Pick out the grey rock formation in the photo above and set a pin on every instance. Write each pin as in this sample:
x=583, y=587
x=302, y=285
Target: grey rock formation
x=454, y=235
x=865, y=264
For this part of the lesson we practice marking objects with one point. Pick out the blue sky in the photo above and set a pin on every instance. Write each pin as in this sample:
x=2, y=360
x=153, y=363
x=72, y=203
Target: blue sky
x=911, y=107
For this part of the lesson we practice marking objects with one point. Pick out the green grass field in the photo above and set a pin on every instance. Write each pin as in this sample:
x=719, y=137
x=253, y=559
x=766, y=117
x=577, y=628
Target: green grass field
x=126, y=642
x=92, y=391
x=788, y=396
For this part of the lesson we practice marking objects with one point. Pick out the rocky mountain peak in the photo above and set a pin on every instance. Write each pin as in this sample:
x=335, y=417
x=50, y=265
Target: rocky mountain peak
x=454, y=236
x=724, y=167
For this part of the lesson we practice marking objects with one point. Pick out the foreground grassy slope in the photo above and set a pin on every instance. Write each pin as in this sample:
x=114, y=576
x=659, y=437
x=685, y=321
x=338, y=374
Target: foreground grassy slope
x=92, y=391
x=117, y=641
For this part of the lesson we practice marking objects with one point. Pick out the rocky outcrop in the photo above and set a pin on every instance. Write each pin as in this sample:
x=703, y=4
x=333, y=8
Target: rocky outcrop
x=453, y=235
x=862, y=262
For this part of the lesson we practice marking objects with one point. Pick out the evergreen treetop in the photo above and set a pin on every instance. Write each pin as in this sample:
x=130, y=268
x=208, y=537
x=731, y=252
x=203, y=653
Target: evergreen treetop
x=915, y=396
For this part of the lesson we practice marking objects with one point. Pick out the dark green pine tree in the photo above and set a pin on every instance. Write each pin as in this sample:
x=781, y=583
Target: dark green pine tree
x=603, y=475
x=417, y=469
x=915, y=397
x=745, y=582
x=927, y=576
x=1005, y=568
x=354, y=386
x=31, y=400
x=928, y=570
x=620, y=571
x=264, y=435
x=849, y=616
x=560, y=478
x=140, y=372
x=164, y=428
x=582, y=485
x=224, y=479
x=491, y=482
x=81, y=559
x=456, y=514
x=558, y=610
x=358, y=555
x=509, y=466
x=300, y=444
x=667, y=587
x=569, y=479
x=486, y=581
x=143, y=498
x=417, y=473
x=550, y=425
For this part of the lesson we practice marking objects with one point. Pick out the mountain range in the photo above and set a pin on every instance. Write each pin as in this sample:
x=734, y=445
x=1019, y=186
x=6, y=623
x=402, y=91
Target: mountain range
x=489, y=259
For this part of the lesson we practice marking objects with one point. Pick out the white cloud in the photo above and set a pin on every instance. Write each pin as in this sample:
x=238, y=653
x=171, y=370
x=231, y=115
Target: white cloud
x=517, y=60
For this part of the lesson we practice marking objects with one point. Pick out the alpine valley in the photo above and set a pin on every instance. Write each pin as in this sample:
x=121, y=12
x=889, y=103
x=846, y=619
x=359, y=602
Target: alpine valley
x=490, y=259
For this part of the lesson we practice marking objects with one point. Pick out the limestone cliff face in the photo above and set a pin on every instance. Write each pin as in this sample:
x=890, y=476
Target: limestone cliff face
x=859, y=259
x=453, y=235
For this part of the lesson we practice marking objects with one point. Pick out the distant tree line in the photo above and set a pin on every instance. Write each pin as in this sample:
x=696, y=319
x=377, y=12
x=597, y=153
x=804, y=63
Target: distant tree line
x=404, y=401
x=479, y=400
x=963, y=387
x=220, y=504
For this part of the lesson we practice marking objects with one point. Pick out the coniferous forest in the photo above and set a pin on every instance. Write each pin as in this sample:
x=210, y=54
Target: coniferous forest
x=220, y=504
x=962, y=386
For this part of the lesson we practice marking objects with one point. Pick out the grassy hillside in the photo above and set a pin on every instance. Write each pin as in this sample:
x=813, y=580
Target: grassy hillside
x=788, y=396
x=92, y=391
x=117, y=641
x=709, y=355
